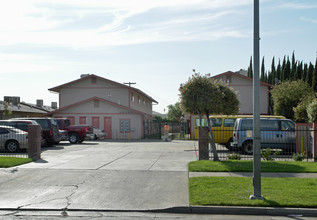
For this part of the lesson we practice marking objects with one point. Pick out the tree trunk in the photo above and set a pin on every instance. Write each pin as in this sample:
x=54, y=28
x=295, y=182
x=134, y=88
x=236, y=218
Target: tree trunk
x=211, y=140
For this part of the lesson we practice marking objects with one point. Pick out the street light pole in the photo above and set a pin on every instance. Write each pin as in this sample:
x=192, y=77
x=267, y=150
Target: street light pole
x=256, y=106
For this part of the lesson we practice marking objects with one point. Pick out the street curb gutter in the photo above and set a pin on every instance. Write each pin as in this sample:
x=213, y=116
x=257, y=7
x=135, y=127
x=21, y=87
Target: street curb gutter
x=219, y=210
x=243, y=210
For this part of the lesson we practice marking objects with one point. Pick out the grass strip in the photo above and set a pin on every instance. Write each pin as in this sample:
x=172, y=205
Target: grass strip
x=247, y=166
x=6, y=162
x=235, y=191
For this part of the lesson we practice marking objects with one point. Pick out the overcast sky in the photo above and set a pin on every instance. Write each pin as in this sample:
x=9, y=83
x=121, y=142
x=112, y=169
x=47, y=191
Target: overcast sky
x=156, y=44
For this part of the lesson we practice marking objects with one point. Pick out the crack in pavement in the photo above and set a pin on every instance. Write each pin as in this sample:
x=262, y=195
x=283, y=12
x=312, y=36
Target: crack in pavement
x=67, y=198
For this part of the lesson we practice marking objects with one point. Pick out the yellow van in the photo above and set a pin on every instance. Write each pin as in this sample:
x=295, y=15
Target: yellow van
x=222, y=126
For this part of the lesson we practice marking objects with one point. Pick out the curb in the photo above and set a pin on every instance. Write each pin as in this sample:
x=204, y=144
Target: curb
x=219, y=210
x=242, y=210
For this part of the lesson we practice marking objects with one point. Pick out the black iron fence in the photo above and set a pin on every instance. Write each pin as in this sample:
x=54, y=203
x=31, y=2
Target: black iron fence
x=276, y=145
x=177, y=130
x=13, y=142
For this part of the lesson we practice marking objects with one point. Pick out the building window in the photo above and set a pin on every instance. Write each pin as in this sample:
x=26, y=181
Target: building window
x=132, y=97
x=96, y=103
x=139, y=99
x=71, y=120
x=82, y=120
x=228, y=79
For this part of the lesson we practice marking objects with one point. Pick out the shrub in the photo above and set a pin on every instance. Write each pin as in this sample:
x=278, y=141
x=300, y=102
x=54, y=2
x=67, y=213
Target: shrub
x=299, y=156
x=268, y=154
x=234, y=156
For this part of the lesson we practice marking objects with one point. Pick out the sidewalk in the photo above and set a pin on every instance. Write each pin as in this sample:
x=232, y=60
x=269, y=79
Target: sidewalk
x=250, y=174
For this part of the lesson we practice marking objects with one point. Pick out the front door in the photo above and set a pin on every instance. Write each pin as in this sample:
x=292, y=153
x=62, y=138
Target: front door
x=108, y=127
x=95, y=122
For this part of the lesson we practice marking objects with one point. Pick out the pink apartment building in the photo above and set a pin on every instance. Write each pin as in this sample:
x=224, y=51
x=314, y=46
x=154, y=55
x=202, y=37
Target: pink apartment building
x=118, y=109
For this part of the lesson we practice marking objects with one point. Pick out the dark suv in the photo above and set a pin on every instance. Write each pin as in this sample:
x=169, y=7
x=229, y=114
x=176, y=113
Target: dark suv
x=50, y=129
x=20, y=124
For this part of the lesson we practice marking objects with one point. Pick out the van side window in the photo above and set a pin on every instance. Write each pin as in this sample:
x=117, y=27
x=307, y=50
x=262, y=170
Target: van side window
x=287, y=126
x=216, y=122
x=269, y=125
x=246, y=125
x=229, y=122
x=198, y=122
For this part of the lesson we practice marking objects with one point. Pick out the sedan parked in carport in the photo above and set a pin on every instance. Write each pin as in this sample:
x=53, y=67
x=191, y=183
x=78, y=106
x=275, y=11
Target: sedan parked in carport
x=12, y=139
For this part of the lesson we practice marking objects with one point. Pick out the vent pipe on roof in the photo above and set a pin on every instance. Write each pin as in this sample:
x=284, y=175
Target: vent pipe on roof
x=54, y=105
x=84, y=75
x=15, y=100
x=39, y=102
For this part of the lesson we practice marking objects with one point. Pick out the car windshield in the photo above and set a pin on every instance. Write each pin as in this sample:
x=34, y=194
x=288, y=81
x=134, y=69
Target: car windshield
x=43, y=123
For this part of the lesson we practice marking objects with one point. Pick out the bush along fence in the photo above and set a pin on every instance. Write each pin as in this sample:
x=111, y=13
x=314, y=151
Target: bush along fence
x=17, y=143
x=177, y=130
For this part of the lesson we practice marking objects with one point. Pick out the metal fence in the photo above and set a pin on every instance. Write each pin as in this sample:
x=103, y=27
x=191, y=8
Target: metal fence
x=275, y=145
x=13, y=142
x=177, y=130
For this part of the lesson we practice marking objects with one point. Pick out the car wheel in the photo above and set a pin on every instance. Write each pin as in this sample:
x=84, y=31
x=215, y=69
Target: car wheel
x=228, y=144
x=248, y=147
x=12, y=146
x=73, y=138
x=95, y=137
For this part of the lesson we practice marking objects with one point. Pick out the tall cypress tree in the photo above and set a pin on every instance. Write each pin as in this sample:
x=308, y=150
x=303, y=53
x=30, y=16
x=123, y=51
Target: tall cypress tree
x=262, y=71
x=278, y=71
x=250, y=69
x=299, y=71
x=314, y=83
x=287, y=69
x=304, y=75
x=273, y=72
x=310, y=72
x=282, y=68
x=293, y=67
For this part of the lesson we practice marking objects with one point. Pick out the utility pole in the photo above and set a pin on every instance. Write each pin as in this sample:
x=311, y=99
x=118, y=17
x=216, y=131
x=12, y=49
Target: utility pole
x=129, y=83
x=256, y=106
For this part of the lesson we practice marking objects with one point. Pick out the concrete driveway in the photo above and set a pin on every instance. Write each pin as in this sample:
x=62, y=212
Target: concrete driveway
x=100, y=175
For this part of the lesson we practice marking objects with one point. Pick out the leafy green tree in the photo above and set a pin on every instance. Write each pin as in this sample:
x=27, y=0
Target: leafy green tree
x=174, y=112
x=288, y=95
x=201, y=95
x=312, y=111
x=300, y=111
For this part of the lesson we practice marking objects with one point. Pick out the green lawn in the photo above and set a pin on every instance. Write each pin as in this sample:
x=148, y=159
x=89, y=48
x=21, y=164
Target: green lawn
x=13, y=161
x=247, y=166
x=235, y=191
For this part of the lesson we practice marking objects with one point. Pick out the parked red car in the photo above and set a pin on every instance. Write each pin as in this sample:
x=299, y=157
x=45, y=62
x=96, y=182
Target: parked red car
x=76, y=133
